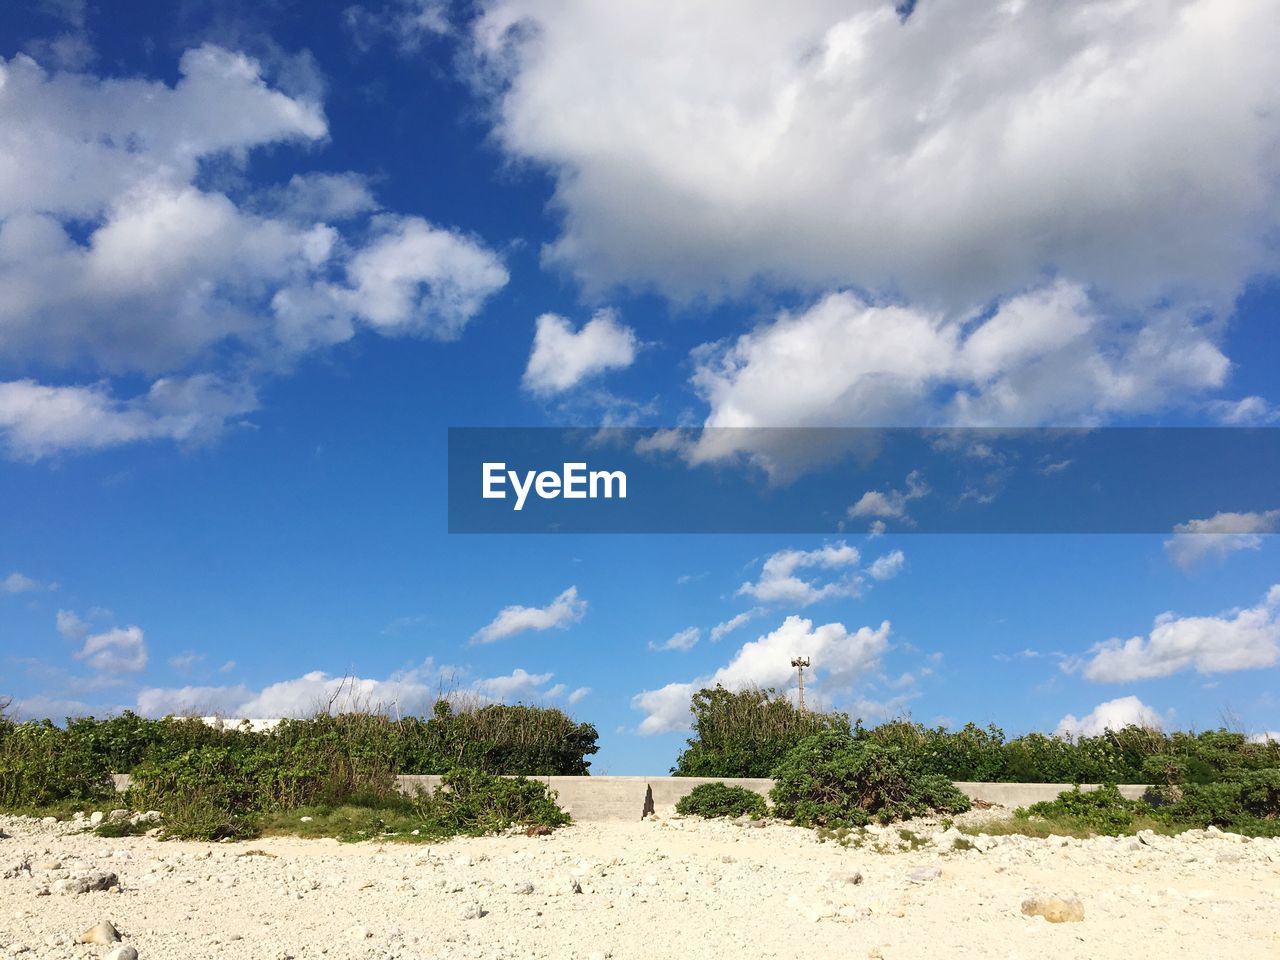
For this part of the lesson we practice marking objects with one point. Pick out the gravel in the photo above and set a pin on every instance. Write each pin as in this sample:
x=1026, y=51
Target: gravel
x=655, y=889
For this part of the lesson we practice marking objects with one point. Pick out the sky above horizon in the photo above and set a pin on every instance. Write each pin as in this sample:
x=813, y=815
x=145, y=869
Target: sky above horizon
x=257, y=258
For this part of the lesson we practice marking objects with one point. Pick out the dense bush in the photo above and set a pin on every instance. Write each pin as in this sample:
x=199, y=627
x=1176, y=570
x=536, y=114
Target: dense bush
x=722, y=800
x=213, y=783
x=473, y=802
x=1103, y=810
x=832, y=779
x=747, y=733
x=532, y=741
x=41, y=765
x=1247, y=803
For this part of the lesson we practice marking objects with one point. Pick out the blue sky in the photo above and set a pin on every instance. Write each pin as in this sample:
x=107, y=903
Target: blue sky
x=256, y=259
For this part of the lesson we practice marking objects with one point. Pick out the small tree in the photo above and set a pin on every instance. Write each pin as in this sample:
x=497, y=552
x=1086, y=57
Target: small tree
x=747, y=733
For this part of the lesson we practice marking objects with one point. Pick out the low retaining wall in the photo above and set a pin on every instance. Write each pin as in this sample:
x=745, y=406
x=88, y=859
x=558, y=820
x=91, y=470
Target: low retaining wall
x=597, y=799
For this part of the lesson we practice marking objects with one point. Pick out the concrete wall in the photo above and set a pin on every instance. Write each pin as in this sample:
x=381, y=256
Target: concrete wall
x=596, y=799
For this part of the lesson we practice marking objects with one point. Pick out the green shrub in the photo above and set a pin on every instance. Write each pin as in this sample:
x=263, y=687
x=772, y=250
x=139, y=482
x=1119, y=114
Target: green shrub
x=498, y=738
x=832, y=779
x=1103, y=810
x=746, y=733
x=1249, y=803
x=722, y=800
x=473, y=802
x=41, y=765
x=200, y=816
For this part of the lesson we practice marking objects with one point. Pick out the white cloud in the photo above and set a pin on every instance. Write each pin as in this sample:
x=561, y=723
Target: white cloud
x=406, y=23
x=1249, y=411
x=578, y=694
x=726, y=627
x=408, y=691
x=893, y=503
x=839, y=659
x=955, y=156
x=20, y=583
x=71, y=626
x=514, y=686
x=1267, y=736
x=778, y=582
x=846, y=361
x=1112, y=715
x=562, y=357
x=1218, y=536
x=683, y=640
x=118, y=650
x=38, y=420
x=888, y=566
x=185, y=662
x=565, y=609
x=117, y=257
x=1246, y=639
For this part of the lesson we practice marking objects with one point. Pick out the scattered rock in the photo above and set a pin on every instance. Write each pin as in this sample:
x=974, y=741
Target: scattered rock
x=575, y=886
x=116, y=815
x=523, y=888
x=122, y=952
x=538, y=830
x=96, y=818
x=1053, y=908
x=851, y=879
x=472, y=911
x=99, y=880
x=102, y=932
x=924, y=874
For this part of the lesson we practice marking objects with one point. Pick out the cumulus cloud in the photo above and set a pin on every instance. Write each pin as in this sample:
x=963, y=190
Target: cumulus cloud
x=563, y=357
x=578, y=694
x=890, y=504
x=725, y=627
x=119, y=650
x=961, y=152
x=1112, y=715
x=407, y=691
x=779, y=583
x=1246, y=412
x=682, y=640
x=1046, y=213
x=847, y=361
x=1246, y=639
x=888, y=566
x=38, y=421
x=839, y=659
x=1219, y=536
x=565, y=609
x=17, y=582
x=71, y=626
x=118, y=258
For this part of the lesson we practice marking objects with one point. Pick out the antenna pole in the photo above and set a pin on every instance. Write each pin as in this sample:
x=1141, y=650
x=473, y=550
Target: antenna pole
x=800, y=663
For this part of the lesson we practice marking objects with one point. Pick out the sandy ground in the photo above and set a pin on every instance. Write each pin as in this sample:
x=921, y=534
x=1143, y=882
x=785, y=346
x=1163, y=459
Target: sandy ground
x=656, y=889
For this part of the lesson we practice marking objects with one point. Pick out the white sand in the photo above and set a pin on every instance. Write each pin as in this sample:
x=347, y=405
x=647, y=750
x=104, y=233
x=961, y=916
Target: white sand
x=668, y=888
